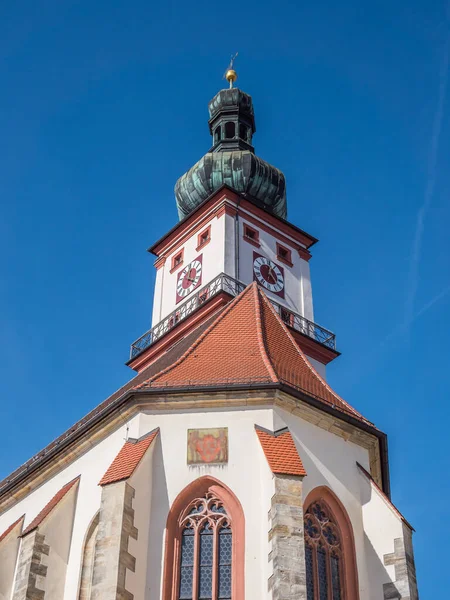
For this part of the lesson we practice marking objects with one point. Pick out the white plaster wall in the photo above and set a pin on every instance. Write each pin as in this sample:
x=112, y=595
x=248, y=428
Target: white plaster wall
x=157, y=295
x=298, y=293
x=328, y=459
x=246, y=474
x=142, y=482
x=9, y=551
x=92, y=466
x=331, y=461
x=381, y=526
x=213, y=263
x=57, y=529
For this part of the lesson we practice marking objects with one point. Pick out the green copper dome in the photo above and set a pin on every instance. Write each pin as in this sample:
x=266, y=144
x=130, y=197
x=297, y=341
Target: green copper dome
x=231, y=161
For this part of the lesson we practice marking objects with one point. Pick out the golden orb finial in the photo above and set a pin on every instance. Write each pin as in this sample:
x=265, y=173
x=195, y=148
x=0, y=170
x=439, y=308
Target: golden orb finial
x=230, y=73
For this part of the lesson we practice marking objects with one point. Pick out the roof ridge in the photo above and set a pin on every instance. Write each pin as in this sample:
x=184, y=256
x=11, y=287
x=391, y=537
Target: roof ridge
x=9, y=529
x=132, y=440
x=199, y=340
x=261, y=333
x=305, y=359
x=51, y=505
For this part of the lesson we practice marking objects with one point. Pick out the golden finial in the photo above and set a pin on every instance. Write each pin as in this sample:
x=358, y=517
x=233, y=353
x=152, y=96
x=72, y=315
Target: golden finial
x=230, y=74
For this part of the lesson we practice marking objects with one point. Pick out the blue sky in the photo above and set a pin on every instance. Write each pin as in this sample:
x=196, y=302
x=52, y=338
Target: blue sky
x=104, y=105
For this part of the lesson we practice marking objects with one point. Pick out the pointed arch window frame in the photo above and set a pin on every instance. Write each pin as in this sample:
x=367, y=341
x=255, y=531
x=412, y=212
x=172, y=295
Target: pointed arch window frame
x=349, y=571
x=195, y=491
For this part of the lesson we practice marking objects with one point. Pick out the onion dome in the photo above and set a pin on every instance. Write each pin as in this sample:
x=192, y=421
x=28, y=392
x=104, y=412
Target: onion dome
x=231, y=160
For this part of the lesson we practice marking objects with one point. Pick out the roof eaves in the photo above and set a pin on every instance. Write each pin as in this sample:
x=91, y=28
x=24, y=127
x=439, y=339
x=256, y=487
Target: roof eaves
x=384, y=496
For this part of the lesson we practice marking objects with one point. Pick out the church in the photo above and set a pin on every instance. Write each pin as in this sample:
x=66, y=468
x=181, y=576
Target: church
x=227, y=468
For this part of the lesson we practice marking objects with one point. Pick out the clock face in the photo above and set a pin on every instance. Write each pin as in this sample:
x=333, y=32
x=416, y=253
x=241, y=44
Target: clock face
x=189, y=278
x=268, y=274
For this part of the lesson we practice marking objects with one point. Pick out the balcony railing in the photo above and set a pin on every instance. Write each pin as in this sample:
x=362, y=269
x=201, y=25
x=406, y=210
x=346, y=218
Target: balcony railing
x=303, y=325
x=224, y=283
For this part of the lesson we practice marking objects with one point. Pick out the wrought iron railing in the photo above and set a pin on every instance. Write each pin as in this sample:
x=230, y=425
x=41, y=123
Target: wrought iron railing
x=224, y=283
x=305, y=326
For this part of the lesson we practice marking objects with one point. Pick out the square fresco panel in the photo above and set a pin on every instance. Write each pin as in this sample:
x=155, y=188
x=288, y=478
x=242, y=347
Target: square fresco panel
x=207, y=446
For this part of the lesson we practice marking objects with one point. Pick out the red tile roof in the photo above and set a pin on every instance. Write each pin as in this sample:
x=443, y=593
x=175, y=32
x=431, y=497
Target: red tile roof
x=10, y=528
x=126, y=462
x=281, y=452
x=248, y=343
x=50, y=506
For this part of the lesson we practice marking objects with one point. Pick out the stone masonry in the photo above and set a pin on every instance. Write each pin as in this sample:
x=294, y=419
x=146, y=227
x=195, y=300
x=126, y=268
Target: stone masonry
x=288, y=580
x=112, y=558
x=405, y=585
x=32, y=568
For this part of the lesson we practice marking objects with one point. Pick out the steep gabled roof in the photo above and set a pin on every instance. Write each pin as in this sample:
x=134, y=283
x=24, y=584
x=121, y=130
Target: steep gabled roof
x=245, y=343
x=129, y=457
x=50, y=506
x=248, y=343
x=5, y=534
x=281, y=452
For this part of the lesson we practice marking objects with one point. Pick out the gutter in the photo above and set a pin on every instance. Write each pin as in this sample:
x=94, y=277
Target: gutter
x=44, y=457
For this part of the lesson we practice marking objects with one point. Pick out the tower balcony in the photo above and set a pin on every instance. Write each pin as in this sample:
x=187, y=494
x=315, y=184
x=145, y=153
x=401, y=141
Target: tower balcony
x=315, y=340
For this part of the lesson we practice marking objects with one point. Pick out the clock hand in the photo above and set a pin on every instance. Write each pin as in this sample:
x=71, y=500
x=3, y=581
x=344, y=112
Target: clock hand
x=272, y=274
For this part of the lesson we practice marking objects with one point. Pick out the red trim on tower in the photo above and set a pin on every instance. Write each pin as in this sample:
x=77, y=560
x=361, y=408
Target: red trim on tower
x=177, y=260
x=251, y=235
x=203, y=238
x=225, y=197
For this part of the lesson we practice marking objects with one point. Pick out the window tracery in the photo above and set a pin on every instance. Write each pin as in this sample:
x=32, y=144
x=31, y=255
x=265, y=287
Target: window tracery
x=205, y=563
x=323, y=554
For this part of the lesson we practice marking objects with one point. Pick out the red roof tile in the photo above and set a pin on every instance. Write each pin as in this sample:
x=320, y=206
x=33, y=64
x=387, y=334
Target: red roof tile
x=281, y=452
x=50, y=506
x=126, y=462
x=248, y=343
x=10, y=528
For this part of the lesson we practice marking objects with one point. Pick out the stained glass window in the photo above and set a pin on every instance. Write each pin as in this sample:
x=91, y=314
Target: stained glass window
x=225, y=548
x=187, y=563
x=205, y=564
x=323, y=554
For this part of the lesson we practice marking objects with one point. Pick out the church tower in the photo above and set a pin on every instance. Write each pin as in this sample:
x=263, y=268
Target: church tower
x=227, y=468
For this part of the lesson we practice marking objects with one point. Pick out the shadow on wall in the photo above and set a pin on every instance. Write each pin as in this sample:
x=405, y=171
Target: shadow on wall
x=377, y=574
x=159, y=504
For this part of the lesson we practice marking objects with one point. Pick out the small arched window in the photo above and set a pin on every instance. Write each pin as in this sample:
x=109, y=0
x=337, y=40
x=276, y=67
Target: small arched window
x=242, y=132
x=230, y=130
x=87, y=567
x=217, y=134
x=205, y=544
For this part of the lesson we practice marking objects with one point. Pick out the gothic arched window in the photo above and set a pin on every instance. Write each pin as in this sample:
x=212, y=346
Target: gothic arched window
x=205, y=556
x=323, y=554
x=205, y=545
